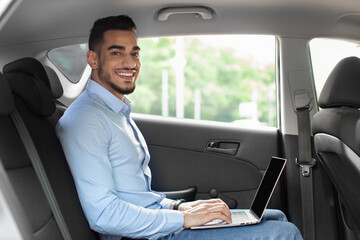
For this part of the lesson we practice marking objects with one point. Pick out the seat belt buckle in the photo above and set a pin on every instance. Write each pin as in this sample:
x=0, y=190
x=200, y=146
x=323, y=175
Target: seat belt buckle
x=306, y=166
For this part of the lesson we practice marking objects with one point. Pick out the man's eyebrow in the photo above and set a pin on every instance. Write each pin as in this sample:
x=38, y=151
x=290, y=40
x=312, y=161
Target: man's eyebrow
x=116, y=47
x=122, y=47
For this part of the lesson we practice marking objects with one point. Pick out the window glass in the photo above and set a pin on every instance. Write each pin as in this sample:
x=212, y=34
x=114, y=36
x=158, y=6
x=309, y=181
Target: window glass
x=219, y=78
x=4, y=5
x=70, y=60
x=325, y=54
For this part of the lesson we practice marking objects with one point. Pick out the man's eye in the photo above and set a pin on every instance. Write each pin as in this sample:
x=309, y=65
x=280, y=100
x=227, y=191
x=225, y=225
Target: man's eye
x=115, y=53
x=136, y=54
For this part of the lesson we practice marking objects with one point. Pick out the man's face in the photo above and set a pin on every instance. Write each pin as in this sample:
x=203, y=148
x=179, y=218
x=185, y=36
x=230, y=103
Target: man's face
x=118, y=62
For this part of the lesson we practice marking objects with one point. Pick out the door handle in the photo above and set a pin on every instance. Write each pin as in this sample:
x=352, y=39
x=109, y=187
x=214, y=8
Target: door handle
x=223, y=147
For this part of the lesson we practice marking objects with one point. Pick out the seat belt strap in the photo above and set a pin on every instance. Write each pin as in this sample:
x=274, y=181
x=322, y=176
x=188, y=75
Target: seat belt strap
x=306, y=162
x=40, y=172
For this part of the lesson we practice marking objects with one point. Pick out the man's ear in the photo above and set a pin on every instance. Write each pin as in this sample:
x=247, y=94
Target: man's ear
x=92, y=59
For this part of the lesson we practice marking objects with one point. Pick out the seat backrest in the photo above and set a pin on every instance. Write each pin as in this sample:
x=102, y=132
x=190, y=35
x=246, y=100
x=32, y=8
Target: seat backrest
x=30, y=86
x=336, y=130
x=21, y=174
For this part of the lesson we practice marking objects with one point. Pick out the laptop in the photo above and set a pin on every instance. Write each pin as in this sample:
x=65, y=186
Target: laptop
x=260, y=201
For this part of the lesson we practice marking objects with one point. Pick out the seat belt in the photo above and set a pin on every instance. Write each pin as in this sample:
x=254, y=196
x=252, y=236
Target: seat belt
x=40, y=172
x=306, y=162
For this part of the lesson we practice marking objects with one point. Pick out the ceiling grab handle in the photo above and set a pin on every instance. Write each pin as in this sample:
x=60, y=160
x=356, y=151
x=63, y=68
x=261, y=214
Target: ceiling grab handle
x=203, y=12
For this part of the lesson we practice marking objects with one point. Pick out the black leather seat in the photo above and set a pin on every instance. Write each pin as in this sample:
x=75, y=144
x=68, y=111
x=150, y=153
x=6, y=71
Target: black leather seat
x=21, y=174
x=34, y=101
x=336, y=130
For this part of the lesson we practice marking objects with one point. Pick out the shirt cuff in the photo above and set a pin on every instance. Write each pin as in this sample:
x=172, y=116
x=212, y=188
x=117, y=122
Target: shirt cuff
x=175, y=220
x=166, y=203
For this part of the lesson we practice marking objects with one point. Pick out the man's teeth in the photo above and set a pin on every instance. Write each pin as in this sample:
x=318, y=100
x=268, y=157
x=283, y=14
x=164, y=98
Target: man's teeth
x=125, y=74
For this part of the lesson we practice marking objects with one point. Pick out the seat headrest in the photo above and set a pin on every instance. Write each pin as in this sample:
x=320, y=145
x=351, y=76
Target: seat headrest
x=29, y=66
x=55, y=84
x=28, y=80
x=6, y=98
x=342, y=87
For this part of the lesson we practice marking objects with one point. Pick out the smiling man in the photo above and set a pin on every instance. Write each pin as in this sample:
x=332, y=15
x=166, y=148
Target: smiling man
x=109, y=158
x=116, y=65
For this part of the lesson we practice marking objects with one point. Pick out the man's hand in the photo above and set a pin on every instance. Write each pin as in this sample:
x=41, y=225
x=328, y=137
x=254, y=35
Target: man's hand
x=203, y=211
x=188, y=205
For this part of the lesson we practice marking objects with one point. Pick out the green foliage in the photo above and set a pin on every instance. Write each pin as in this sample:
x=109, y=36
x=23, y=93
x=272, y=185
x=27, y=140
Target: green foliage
x=155, y=57
x=223, y=79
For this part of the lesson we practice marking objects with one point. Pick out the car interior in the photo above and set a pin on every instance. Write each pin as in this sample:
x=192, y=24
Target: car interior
x=213, y=130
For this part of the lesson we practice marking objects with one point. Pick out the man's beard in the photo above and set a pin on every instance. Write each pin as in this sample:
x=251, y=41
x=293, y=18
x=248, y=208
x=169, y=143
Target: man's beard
x=105, y=77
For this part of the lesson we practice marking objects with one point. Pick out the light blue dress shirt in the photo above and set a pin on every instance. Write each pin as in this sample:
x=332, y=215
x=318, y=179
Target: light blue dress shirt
x=109, y=158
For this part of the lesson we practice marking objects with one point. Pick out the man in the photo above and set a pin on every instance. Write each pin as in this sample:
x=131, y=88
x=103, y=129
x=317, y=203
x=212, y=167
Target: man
x=109, y=158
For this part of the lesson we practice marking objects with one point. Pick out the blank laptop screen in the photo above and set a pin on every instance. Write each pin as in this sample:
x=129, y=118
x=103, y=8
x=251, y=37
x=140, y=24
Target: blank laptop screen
x=267, y=185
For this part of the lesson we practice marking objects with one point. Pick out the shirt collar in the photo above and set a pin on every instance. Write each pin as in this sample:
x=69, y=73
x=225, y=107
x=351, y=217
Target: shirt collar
x=109, y=99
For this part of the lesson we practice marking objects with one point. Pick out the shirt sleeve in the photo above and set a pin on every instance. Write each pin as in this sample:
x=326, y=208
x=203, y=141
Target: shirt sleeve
x=166, y=203
x=85, y=142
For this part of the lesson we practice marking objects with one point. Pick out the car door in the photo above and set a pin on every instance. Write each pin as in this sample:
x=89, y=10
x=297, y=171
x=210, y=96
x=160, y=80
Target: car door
x=221, y=160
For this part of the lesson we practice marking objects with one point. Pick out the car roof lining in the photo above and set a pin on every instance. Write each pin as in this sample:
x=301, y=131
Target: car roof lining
x=299, y=19
x=34, y=27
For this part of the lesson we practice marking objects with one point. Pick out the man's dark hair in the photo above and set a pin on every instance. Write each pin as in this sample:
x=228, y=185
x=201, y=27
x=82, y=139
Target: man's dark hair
x=121, y=22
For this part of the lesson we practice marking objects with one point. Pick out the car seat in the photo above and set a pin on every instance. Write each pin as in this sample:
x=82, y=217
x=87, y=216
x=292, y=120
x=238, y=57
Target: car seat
x=336, y=130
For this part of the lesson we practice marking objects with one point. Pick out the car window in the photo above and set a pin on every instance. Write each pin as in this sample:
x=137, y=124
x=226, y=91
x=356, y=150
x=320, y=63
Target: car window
x=4, y=4
x=70, y=60
x=325, y=54
x=218, y=78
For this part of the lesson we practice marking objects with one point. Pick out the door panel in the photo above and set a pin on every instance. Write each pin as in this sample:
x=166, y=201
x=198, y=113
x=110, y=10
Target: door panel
x=182, y=155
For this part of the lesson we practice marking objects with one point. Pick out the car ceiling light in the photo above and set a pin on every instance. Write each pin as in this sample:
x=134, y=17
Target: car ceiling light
x=200, y=12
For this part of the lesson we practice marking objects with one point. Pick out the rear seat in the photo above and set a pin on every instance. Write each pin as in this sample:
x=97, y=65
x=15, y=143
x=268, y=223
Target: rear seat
x=9, y=170
x=30, y=86
x=22, y=176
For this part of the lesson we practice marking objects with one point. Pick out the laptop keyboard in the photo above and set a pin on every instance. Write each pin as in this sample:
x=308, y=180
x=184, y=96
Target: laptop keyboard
x=241, y=216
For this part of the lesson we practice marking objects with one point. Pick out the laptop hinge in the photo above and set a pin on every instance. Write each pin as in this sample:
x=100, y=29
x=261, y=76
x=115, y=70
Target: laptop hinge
x=254, y=214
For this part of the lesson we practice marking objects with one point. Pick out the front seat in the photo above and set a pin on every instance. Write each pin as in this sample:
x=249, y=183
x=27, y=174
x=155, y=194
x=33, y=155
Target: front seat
x=336, y=130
